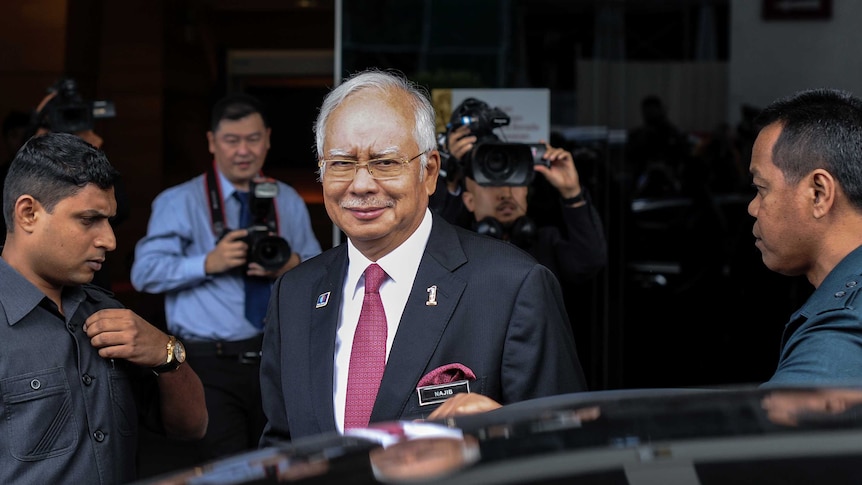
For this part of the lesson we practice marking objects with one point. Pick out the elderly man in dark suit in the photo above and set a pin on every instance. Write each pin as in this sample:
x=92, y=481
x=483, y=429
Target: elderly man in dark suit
x=460, y=312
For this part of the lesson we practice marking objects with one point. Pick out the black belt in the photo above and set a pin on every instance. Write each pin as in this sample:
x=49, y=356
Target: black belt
x=246, y=351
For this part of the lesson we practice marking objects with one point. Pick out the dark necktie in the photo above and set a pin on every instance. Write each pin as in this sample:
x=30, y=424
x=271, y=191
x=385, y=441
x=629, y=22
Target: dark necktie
x=368, y=354
x=257, y=289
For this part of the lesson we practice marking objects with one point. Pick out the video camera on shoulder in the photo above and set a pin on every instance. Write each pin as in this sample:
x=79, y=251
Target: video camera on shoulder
x=68, y=112
x=492, y=161
x=265, y=249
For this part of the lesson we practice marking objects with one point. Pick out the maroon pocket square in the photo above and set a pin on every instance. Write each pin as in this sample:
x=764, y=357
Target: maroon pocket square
x=446, y=374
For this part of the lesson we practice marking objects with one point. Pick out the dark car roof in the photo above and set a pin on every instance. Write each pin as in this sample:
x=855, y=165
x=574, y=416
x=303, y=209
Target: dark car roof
x=633, y=437
x=672, y=437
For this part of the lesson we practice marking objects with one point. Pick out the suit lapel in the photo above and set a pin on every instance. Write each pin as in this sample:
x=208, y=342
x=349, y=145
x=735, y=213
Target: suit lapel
x=324, y=323
x=422, y=326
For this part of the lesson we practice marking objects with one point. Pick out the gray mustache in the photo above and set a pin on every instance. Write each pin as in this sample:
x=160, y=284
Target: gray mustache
x=371, y=203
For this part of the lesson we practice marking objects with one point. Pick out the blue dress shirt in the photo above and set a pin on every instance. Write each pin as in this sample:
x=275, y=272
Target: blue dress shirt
x=170, y=259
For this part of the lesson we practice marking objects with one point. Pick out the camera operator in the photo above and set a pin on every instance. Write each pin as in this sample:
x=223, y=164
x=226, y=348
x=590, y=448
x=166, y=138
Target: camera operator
x=214, y=245
x=64, y=110
x=550, y=216
x=573, y=247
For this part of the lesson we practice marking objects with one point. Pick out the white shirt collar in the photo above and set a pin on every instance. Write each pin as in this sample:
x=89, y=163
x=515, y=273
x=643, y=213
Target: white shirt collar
x=400, y=264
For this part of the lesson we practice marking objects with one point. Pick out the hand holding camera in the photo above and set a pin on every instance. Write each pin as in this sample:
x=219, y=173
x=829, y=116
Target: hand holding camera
x=461, y=141
x=256, y=247
x=230, y=252
x=560, y=171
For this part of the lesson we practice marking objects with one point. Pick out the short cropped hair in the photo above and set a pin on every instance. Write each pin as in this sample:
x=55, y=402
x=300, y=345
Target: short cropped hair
x=235, y=107
x=820, y=128
x=53, y=167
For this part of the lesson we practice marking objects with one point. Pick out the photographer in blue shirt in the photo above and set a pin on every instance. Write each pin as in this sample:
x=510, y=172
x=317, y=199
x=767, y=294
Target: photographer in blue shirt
x=214, y=256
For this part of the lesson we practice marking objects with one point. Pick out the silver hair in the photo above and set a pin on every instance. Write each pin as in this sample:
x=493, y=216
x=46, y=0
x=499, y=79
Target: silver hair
x=383, y=81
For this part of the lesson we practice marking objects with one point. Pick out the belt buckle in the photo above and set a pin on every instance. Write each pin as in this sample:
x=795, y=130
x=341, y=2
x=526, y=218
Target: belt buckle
x=249, y=357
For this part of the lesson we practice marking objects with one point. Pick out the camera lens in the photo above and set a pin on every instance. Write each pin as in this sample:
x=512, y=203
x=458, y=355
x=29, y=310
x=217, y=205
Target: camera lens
x=497, y=165
x=271, y=252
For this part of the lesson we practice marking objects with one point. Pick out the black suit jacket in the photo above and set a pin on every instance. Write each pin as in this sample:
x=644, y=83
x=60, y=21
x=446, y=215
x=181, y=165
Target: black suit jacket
x=498, y=312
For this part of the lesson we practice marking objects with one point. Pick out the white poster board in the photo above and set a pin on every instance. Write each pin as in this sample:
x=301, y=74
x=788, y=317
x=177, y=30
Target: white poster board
x=529, y=110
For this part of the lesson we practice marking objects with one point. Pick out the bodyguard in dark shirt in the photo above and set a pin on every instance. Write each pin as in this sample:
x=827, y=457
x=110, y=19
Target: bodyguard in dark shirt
x=78, y=371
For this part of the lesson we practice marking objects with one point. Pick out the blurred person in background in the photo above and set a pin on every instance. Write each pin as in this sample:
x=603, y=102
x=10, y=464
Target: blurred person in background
x=548, y=212
x=656, y=151
x=213, y=247
x=64, y=110
x=575, y=252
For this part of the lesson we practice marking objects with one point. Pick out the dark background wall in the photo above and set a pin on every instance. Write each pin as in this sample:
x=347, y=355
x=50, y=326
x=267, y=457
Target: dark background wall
x=163, y=63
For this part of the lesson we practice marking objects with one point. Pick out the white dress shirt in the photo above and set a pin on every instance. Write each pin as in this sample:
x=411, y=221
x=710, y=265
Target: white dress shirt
x=400, y=266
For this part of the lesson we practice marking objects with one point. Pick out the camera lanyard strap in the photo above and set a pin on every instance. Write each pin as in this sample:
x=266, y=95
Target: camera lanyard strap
x=212, y=187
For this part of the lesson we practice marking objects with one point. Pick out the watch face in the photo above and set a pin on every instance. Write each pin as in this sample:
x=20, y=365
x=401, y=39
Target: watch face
x=179, y=352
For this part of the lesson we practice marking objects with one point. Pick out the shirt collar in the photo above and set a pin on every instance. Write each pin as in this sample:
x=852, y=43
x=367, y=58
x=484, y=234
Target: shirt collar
x=227, y=188
x=18, y=296
x=400, y=264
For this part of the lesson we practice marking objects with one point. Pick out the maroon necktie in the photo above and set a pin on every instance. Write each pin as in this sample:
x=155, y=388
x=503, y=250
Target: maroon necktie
x=368, y=354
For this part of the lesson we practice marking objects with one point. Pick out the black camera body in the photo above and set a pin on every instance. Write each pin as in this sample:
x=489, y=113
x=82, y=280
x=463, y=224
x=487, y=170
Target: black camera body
x=68, y=112
x=491, y=161
x=265, y=249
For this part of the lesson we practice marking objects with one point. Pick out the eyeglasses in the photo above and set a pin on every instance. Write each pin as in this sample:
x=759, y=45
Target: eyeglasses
x=379, y=168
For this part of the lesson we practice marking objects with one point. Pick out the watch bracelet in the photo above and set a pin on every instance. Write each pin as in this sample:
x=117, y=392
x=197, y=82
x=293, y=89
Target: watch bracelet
x=170, y=363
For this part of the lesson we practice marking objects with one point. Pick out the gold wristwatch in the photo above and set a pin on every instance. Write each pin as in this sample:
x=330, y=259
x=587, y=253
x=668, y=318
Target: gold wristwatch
x=176, y=356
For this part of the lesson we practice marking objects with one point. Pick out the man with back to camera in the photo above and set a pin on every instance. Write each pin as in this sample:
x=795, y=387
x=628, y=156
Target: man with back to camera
x=448, y=308
x=197, y=251
x=808, y=221
x=78, y=371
